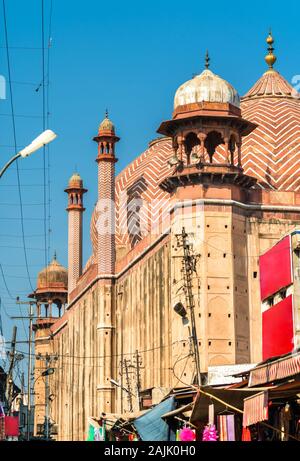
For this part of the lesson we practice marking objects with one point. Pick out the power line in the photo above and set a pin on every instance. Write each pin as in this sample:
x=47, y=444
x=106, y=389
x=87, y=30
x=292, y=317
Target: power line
x=44, y=127
x=21, y=47
x=49, y=44
x=12, y=297
x=19, y=115
x=118, y=355
x=15, y=141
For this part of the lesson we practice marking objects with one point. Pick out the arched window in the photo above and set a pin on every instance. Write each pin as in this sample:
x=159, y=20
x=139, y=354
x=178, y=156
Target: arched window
x=213, y=140
x=191, y=140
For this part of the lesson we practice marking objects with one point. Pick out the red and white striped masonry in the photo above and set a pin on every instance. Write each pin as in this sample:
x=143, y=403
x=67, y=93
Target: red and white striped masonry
x=271, y=153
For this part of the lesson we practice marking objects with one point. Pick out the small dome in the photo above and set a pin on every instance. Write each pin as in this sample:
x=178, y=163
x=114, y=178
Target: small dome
x=206, y=87
x=106, y=125
x=53, y=276
x=75, y=181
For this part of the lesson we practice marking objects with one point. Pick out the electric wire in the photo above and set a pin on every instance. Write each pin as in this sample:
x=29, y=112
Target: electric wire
x=13, y=298
x=15, y=141
x=115, y=355
x=49, y=45
x=190, y=354
x=44, y=127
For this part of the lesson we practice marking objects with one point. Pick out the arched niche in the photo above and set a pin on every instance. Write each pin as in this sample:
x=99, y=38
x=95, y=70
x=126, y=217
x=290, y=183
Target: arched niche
x=218, y=323
x=218, y=360
x=213, y=140
x=218, y=258
x=191, y=141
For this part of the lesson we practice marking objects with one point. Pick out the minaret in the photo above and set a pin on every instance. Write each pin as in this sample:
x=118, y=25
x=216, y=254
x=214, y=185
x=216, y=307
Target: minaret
x=105, y=227
x=106, y=160
x=50, y=296
x=75, y=210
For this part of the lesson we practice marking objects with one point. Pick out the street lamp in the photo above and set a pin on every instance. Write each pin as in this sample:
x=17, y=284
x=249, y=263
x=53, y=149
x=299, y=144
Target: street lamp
x=48, y=372
x=115, y=383
x=130, y=394
x=180, y=310
x=43, y=139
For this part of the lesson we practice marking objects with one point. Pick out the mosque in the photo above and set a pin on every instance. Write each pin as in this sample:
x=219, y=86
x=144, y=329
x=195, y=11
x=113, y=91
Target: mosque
x=226, y=170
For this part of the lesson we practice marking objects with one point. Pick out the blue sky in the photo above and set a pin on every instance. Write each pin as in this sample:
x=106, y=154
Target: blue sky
x=129, y=57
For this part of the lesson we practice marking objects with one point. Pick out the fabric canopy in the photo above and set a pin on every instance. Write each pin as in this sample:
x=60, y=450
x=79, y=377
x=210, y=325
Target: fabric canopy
x=255, y=409
x=275, y=370
x=234, y=397
x=151, y=426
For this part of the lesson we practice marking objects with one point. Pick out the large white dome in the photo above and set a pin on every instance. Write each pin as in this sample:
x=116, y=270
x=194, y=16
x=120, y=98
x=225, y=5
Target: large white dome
x=206, y=87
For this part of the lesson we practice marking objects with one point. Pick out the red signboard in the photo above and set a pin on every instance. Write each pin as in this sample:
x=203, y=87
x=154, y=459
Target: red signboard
x=278, y=329
x=275, y=268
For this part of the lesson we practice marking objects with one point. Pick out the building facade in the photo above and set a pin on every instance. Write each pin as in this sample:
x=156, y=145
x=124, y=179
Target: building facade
x=279, y=289
x=225, y=171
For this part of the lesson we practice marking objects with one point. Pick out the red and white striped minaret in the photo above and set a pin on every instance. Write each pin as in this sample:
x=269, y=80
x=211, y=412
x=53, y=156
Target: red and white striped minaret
x=106, y=251
x=75, y=210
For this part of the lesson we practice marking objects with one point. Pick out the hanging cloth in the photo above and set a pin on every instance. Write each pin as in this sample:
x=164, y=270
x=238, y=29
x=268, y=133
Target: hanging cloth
x=211, y=414
x=91, y=433
x=11, y=426
x=226, y=427
x=246, y=435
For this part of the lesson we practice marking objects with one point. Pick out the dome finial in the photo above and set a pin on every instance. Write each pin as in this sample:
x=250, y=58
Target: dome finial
x=207, y=59
x=54, y=257
x=106, y=113
x=270, y=57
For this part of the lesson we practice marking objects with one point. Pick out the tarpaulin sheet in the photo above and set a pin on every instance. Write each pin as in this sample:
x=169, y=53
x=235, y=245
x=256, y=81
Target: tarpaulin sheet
x=151, y=426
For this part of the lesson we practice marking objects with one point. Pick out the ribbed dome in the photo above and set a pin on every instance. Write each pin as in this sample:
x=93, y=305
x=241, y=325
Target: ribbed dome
x=271, y=151
x=271, y=84
x=53, y=276
x=206, y=87
x=75, y=181
x=106, y=125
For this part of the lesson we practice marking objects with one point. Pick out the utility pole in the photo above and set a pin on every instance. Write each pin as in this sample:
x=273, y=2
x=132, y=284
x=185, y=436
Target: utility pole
x=48, y=359
x=137, y=359
x=128, y=386
x=30, y=318
x=189, y=267
x=9, y=378
x=29, y=371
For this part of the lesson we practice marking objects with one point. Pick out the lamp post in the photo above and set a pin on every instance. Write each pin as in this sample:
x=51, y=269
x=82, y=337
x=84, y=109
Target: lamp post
x=43, y=139
x=130, y=394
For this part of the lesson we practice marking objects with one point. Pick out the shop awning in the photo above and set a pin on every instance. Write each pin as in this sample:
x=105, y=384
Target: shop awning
x=178, y=411
x=234, y=397
x=278, y=369
x=255, y=409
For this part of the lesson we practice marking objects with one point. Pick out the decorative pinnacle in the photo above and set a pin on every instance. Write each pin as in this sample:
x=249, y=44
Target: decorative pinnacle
x=106, y=113
x=54, y=257
x=207, y=59
x=270, y=58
